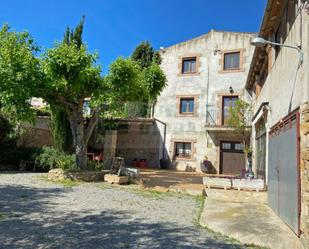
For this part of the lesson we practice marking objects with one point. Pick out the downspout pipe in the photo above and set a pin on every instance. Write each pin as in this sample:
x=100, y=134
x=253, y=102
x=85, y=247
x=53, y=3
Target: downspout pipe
x=164, y=137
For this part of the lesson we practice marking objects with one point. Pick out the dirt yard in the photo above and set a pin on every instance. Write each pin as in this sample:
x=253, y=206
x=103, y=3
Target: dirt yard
x=35, y=213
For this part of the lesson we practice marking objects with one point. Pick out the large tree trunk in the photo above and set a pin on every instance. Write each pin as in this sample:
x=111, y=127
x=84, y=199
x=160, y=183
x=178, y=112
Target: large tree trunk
x=78, y=132
x=81, y=134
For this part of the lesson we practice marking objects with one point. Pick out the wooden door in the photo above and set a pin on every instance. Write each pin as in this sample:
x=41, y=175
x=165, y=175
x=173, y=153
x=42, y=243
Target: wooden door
x=232, y=159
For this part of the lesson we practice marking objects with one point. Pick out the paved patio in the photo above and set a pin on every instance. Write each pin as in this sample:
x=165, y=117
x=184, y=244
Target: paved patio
x=243, y=215
x=246, y=217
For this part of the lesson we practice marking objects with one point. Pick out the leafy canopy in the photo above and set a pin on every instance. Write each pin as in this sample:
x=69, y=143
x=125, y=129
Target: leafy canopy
x=144, y=54
x=20, y=74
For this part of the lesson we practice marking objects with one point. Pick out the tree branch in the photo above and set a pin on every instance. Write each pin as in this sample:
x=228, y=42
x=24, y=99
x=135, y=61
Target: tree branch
x=92, y=123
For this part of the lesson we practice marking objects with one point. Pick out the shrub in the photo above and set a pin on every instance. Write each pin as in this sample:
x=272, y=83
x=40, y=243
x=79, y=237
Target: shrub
x=51, y=158
x=13, y=156
x=95, y=166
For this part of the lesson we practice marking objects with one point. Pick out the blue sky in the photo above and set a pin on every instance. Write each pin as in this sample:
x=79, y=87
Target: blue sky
x=115, y=27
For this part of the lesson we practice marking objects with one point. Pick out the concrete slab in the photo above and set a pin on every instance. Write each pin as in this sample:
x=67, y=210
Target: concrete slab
x=245, y=216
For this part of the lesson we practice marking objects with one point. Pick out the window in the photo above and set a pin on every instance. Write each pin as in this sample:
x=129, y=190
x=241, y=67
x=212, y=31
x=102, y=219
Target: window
x=183, y=149
x=231, y=61
x=188, y=65
x=239, y=146
x=226, y=146
x=187, y=105
x=228, y=102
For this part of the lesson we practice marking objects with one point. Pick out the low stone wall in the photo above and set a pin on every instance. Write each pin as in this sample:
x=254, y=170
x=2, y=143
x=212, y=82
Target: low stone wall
x=86, y=176
x=304, y=172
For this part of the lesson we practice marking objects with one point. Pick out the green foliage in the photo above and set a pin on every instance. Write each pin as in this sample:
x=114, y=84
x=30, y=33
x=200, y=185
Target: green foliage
x=6, y=133
x=51, y=158
x=240, y=115
x=152, y=76
x=155, y=80
x=61, y=130
x=124, y=81
x=42, y=111
x=145, y=55
x=71, y=74
x=65, y=75
x=94, y=166
x=19, y=72
x=239, y=118
x=75, y=36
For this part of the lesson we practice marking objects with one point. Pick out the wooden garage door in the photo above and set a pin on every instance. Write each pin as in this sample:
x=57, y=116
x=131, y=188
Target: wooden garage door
x=232, y=159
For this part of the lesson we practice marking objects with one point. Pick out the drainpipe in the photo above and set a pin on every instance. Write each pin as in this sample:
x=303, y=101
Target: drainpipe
x=207, y=91
x=164, y=137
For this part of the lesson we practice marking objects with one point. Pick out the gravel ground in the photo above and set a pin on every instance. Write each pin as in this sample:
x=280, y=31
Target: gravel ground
x=35, y=213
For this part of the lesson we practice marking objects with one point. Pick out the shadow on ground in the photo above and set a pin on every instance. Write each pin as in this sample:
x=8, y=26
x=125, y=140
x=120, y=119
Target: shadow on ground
x=28, y=220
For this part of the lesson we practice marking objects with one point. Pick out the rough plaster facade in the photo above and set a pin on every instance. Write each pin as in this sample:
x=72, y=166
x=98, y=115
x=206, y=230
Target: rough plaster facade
x=286, y=89
x=207, y=86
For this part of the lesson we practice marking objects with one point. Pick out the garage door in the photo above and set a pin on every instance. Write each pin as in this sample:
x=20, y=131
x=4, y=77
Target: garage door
x=283, y=171
x=232, y=160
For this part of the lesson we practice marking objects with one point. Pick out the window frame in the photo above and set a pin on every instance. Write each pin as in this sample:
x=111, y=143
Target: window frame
x=179, y=99
x=224, y=60
x=189, y=60
x=183, y=155
x=181, y=59
x=241, y=61
x=188, y=99
x=193, y=149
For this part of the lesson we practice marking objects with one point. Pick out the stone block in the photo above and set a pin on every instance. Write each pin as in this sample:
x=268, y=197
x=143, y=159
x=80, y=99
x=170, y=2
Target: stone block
x=217, y=182
x=304, y=128
x=248, y=184
x=305, y=116
x=85, y=176
x=304, y=155
x=115, y=179
x=56, y=175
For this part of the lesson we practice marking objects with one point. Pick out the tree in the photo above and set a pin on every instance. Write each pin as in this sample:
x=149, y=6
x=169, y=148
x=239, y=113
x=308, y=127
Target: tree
x=149, y=60
x=239, y=118
x=60, y=130
x=144, y=54
x=19, y=72
x=65, y=75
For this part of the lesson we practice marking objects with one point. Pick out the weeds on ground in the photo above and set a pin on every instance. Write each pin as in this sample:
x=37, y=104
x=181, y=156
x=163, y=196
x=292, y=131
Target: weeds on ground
x=66, y=183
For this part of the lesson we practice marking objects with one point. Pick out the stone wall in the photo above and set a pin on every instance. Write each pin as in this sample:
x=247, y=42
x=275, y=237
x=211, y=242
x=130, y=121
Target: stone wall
x=86, y=176
x=304, y=172
x=134, y=140
x=37, y=135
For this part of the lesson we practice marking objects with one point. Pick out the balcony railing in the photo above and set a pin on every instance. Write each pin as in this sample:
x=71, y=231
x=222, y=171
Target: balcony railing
x=216, y=117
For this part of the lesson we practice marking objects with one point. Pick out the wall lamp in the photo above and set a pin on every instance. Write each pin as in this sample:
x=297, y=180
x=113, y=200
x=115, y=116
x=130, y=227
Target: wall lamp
x=260, y=42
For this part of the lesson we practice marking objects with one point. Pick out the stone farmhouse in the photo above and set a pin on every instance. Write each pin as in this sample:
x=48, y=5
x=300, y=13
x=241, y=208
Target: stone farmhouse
x=206, y=75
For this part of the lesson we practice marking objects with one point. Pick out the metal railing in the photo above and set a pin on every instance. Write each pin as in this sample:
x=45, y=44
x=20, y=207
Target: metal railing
x=214, y=117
